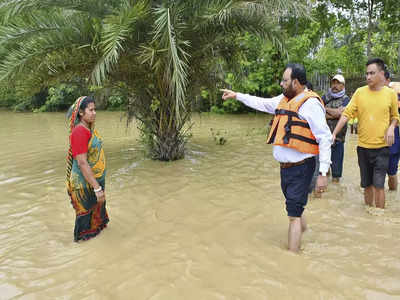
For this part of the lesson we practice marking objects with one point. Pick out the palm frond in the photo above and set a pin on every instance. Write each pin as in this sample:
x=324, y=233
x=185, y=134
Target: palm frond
x=249, y=15
x=10, y=9
x=29, y=45
x=33, y=26
x=167, y=33
x=276, y=9
x=116, y=30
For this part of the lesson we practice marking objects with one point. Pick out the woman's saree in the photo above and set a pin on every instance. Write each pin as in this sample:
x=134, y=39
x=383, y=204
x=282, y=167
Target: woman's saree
x=91, y=216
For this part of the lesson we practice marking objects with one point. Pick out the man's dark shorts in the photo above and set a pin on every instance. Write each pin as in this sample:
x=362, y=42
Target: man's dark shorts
x=374, y=164
x=294, y=183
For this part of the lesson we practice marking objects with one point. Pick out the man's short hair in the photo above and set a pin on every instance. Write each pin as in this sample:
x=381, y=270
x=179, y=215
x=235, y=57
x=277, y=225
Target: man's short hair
x=378, y=61
x=298, y=72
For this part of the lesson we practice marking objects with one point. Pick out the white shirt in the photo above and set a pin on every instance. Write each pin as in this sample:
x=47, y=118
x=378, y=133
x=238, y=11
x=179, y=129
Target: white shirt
x=313, y=112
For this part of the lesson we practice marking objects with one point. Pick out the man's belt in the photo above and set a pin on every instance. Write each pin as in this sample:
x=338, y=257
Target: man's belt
x=285, y=165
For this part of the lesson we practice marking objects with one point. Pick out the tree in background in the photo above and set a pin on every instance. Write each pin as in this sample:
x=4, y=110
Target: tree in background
x=391, y=17
x=164, y=51
x=342, y=34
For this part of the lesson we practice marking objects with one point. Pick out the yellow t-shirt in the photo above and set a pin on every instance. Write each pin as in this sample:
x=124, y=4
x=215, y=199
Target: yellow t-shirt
x=375, y=110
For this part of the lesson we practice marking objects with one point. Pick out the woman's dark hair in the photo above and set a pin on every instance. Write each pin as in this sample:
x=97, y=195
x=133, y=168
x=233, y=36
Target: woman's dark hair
x=85, y=102
x=298, y=72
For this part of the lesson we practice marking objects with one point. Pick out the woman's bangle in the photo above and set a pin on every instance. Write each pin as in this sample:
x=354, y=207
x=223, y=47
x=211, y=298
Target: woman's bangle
x=98, y=189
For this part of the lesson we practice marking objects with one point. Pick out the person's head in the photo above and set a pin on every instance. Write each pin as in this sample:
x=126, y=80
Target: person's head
x=375, y=73
x=337, y=83
x=309, y=86
x=87, y=110
x=387, y=76
x=293, y=80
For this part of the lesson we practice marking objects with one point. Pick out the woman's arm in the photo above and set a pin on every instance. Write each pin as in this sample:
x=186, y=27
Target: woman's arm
x=89, y=176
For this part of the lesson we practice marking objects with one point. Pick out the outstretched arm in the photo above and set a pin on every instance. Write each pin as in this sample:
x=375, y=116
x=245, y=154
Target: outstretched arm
x=267, y=105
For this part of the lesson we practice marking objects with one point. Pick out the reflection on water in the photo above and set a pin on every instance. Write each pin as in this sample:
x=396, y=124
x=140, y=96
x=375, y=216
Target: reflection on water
x=211, y=226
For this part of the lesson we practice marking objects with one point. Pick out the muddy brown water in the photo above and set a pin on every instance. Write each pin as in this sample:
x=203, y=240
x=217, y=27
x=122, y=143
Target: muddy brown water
x=210, y=226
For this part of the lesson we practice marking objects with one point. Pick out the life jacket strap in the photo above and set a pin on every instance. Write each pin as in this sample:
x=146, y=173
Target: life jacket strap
x=286, y=112
x=301, y=124
x=298, y=137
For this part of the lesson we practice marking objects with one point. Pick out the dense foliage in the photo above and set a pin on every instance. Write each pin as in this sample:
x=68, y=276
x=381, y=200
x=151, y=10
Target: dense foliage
x=163, y=51
x=161, y=60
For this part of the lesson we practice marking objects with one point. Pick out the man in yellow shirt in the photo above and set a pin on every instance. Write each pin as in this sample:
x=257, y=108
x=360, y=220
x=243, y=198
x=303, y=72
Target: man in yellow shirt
x=376, y=108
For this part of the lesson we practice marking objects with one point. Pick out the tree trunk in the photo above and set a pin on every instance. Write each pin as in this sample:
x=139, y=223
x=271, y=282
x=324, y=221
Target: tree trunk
x=370, y=16
x=163, y=135
x=398, y=57
x=169, y=145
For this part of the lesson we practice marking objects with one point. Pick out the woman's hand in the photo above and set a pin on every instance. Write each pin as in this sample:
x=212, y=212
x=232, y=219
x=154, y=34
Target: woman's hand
x=101, y=196
x=89, y=176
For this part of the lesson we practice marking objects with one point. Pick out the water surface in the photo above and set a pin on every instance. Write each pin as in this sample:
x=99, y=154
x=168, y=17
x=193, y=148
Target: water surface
x=210, y=226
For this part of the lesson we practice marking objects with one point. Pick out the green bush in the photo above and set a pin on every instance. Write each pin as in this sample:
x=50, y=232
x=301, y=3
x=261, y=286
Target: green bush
x=8, y=96
x=274, y=89
x=112, y=98
x=217, y=110
x=61, y=97
x=39, y=99
x=117, y=101
x=232, y=106
x=24, y=105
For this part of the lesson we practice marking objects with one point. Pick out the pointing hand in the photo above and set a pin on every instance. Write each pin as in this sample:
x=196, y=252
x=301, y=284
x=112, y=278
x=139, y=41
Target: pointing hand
x=228, y=94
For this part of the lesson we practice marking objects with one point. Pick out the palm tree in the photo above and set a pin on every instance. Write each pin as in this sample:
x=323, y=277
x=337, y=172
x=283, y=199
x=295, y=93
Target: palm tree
x=164, y=51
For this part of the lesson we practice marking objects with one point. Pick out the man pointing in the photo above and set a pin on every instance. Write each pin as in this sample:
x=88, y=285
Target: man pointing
x=299, y=132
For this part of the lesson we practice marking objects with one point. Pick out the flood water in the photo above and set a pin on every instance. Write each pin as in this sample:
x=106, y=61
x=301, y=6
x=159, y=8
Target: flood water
x=210, y=226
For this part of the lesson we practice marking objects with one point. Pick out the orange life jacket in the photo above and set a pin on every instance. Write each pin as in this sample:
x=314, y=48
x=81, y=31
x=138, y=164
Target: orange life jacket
x=288, y=130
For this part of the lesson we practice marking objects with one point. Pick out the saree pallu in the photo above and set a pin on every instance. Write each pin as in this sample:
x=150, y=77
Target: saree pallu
x=91, y=216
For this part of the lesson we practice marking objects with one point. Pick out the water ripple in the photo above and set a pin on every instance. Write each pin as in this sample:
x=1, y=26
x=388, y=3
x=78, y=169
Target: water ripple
x=210, y=226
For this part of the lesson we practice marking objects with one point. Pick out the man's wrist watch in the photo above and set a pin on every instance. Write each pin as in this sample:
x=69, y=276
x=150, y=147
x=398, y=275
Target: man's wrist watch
x=322, y=173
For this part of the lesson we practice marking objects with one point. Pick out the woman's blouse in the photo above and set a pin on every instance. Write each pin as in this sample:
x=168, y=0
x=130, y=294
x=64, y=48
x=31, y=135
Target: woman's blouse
x=79, y=139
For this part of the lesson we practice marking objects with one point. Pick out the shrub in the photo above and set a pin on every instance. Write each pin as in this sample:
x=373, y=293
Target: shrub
x=24, y=105
x=117, y=101
x=216, y=110
x=61, y=97
x=232, y=106
x=8, y=96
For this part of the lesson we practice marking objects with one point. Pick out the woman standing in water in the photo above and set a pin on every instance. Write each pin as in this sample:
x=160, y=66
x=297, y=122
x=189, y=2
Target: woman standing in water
x=86, y=170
